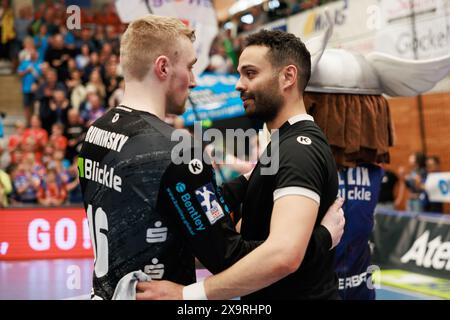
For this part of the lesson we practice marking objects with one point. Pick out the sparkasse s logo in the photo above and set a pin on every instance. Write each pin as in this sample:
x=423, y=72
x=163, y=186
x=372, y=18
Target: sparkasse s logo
x=91, y=170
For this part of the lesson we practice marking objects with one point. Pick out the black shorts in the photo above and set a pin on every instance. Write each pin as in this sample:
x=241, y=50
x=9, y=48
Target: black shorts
x=28, y=99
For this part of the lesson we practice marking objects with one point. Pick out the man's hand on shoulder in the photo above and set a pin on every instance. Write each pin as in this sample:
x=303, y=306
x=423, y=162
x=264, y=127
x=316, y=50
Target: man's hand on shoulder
x=334, y=221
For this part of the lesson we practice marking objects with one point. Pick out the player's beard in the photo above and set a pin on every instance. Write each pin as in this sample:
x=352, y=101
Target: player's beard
x=173, y=106
x=177, y=94
x=267, y=101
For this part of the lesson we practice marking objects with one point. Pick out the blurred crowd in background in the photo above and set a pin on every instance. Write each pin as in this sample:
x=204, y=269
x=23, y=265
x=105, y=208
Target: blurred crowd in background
x=72, y=77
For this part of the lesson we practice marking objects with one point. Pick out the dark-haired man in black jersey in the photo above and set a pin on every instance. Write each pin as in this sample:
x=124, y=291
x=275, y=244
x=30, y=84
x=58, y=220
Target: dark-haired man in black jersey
x=146, y=211
x=283, y=209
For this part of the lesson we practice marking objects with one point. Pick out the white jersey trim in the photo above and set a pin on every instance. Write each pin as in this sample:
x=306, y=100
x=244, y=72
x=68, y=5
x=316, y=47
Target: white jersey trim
x=300, y=117
x=299, y=191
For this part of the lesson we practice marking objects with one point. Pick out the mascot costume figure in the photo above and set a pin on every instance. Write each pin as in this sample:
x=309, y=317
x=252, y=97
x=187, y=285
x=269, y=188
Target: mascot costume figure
x=345, y=97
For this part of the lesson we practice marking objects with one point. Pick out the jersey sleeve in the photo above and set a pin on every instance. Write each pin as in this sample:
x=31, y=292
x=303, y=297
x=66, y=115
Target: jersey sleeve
x=189, y=194
x=301, y=169
x=301, y=173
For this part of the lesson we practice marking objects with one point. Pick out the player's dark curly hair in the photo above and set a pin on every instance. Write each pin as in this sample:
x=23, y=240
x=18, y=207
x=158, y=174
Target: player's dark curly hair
x=284, y=49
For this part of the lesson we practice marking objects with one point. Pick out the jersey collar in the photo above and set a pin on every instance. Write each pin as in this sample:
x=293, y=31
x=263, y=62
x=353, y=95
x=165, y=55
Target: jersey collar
x=292, y=120
x=300, y=117
x=295, y=119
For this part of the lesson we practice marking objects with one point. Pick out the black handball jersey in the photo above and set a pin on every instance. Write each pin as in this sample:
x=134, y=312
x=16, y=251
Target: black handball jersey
x=146, y=212
x=306, y=167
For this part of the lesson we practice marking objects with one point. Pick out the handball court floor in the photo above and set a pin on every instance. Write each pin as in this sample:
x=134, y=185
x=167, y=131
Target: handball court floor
x=71, y=279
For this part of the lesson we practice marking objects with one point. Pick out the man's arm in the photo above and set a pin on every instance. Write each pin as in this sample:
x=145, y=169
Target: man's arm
x=281, y=254
x=202, y=215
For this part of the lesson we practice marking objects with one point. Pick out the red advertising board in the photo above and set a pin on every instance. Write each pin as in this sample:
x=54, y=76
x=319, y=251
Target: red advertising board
x=44, y=233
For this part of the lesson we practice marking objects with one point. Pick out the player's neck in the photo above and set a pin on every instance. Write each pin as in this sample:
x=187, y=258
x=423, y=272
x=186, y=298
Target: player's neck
x=289, y=110
x=144, y=97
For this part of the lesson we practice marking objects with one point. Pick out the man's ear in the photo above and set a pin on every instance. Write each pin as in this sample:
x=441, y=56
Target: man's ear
x=289, y=76
x=162, y=67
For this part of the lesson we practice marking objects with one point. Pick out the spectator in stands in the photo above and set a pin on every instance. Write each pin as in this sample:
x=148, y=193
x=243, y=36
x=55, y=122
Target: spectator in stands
x=46, y=69
x=30, y=71
x=28, y=47
x=219, y=61
x=61, y=164
x=391, y=189
x=68, y=36
x=50, y=20
x=52, y=191
x=83, y=58
x=57, y=139
x=56, y=111
x=75, y=133
x=94, y=63
x=77, y=91
x=105, y=53
x=96, y=83
x=39, y=135
x=26, y=184
x=71, y=67
x=85, y=39
x=433, y=164
x=5, y=188
x=282, y=10
x=35, y=164
x=45, y=96
x=73, y=185
x=112, y=38
x=94, y=109
x=117, y=95
x=57, y=56
x=15, y=140
x=414, y=181
x=41, y=41
x=7, y=33
x=99, y=37
x=23, y=22
x=5, y=158
x=47, y=155
x=112, y=79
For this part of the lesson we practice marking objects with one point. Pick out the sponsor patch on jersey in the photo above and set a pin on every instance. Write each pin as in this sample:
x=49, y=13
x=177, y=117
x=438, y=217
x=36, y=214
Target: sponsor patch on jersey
x=304, y=140
x=115, y=118
x=195, y=166
x=208, y=201
x=91, y=170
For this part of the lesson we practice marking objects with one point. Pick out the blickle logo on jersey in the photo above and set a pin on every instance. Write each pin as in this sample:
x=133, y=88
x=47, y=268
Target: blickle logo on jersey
x=105, y=139
x=91, y=170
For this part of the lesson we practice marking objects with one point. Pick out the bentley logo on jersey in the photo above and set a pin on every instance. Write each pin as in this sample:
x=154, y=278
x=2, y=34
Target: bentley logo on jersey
x=207, y=199
x=91, y=170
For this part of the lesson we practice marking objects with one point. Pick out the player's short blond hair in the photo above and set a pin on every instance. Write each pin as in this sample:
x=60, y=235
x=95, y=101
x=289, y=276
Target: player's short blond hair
x=147, y=38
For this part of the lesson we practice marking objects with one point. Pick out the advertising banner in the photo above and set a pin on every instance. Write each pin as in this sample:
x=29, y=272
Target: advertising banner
x=214, y=98
x=44, y=233
x=416, y=243
x=438, y=186
x=199, y=15
x=426, y=32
